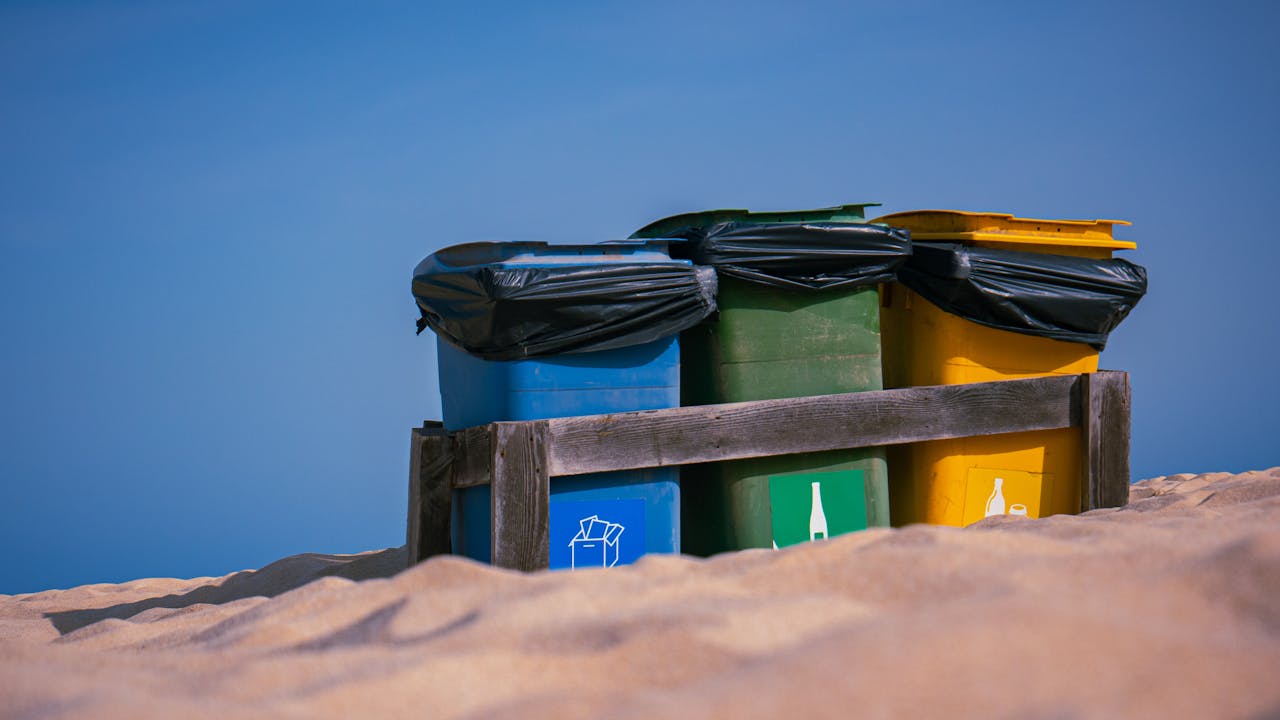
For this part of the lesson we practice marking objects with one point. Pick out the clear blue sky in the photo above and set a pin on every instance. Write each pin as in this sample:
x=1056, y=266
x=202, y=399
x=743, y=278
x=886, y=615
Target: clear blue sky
x=209, y=213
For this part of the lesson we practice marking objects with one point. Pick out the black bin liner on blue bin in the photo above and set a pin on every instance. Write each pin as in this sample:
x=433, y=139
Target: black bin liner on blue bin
x=799, y=256
x=515, y=312
x=1055, y=296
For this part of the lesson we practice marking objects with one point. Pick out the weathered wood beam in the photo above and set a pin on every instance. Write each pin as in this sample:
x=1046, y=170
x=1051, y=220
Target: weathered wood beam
x=519, y=458
x=521, y=495
x=430, y=493
x=1105, y=424
x=734, y=431
x=473, y=455
x=413, y=529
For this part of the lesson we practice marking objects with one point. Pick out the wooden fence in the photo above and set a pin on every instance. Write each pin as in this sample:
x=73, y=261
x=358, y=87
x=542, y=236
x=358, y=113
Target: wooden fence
x=519, y=459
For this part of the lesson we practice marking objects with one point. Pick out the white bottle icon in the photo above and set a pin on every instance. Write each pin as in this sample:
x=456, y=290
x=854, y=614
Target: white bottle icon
x=817, y=518
x=995, y=503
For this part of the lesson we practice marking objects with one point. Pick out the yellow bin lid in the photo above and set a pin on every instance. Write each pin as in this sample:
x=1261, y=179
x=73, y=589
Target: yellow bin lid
x=958, y=225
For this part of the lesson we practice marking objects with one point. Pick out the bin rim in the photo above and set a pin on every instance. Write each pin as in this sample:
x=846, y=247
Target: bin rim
x=971, y=226
x=538, y=252
x=712, y=217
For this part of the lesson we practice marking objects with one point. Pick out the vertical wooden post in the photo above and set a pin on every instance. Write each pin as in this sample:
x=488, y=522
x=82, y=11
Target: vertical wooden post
x=521, y=495
x=430, y=493
x=413, y=528
x=1104, y=429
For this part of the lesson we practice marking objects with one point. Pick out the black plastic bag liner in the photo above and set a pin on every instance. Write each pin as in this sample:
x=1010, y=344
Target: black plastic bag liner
x=557, y=304
x=1055, y=296
x=805, y=256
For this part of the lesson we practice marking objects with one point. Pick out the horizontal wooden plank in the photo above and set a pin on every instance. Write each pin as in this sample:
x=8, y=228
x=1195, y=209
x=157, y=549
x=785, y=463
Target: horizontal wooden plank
x=734, y=431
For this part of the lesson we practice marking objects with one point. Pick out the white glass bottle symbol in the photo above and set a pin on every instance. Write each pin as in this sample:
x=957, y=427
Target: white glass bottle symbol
x=817, y=518
x=995, y=503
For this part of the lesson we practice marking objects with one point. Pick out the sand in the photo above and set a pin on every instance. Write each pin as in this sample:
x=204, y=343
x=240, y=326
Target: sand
x=1169, y=607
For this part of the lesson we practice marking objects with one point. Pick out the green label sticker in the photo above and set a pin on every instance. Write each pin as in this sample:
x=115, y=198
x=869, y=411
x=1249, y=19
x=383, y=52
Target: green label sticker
x=816, y=506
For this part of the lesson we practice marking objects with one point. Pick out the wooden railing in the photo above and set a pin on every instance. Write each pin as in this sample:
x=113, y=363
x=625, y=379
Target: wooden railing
x=519, y=459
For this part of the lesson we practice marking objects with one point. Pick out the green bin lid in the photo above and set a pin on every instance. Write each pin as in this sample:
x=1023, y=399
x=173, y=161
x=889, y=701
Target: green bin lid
x=841, y=213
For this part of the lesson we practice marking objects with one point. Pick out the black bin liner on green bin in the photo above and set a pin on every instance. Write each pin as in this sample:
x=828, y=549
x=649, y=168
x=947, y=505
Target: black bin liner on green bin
x=1055, y=296
x=799, y=256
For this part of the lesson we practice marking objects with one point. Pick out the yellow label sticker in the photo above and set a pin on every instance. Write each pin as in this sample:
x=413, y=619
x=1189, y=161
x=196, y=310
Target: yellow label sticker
x=1003, y=492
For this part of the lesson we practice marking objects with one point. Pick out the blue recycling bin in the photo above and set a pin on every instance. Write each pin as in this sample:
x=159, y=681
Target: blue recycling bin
x=597, y=520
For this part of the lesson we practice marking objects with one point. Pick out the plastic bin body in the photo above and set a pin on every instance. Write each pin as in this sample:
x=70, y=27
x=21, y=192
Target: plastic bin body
x=952, y=482
x=646, y=503
x=771, y=343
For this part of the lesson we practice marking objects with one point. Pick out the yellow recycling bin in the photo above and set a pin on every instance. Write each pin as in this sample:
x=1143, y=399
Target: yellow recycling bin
x=958, y=482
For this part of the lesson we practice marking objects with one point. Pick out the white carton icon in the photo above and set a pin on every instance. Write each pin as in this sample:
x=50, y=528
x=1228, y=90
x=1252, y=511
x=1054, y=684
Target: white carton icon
x=596, y=544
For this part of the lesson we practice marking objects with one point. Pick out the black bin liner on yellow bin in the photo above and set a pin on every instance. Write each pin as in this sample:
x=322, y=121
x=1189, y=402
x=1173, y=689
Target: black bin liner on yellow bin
x=1055, y=296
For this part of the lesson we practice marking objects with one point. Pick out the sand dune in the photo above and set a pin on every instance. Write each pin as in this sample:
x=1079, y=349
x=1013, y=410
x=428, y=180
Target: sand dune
x=1169, y=607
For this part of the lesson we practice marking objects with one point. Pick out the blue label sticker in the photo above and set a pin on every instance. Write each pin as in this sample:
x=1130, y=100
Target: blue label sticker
x=595, y=533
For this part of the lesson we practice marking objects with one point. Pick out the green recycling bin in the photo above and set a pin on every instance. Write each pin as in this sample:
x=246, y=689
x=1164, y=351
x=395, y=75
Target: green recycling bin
x=810, y=328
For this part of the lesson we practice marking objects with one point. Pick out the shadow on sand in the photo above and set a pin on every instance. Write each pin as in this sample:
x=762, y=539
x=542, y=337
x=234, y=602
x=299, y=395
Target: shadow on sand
x=277, y=578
